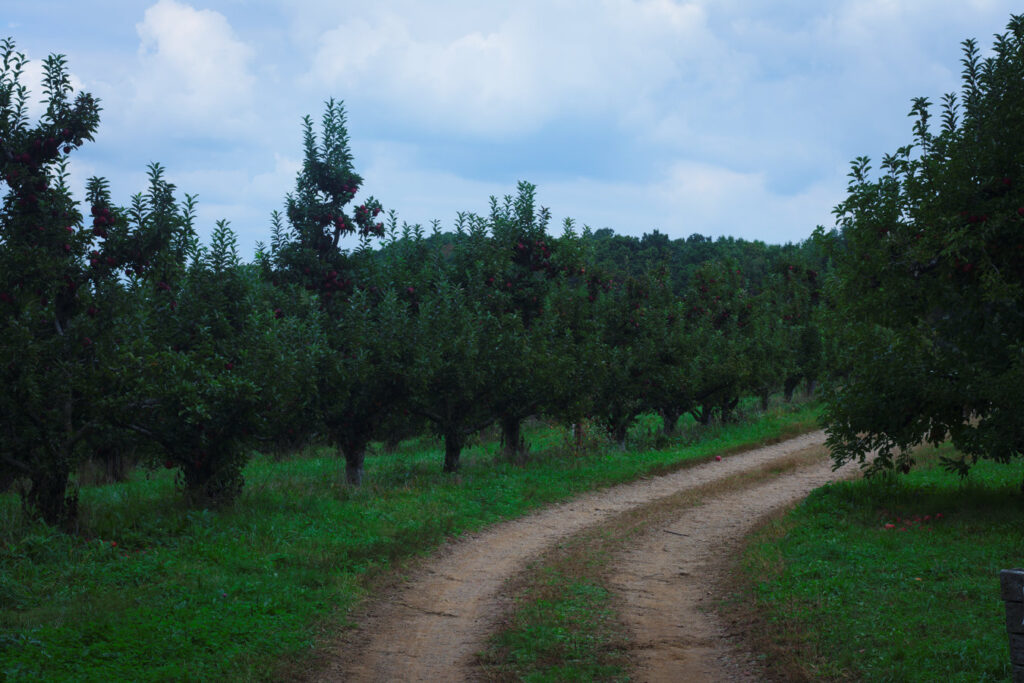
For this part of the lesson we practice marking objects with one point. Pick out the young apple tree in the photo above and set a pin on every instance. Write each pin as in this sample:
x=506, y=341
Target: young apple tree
x=360, y=382
x=213, y=364
x=451, y=383
x=718, y=313
x=628, y=341
x=508, y=263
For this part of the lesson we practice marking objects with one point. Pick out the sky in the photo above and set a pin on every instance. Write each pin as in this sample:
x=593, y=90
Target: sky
x=719, y=117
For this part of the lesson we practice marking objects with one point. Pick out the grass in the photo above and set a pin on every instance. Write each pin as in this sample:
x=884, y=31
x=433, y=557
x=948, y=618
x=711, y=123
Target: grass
x=150, y=590
x=564, y=628
x=890, y=579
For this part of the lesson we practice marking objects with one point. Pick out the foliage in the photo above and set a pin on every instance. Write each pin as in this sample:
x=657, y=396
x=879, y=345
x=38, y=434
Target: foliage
x=61, y=293
x=719, y=311
x=134, y=333
x=526, y=265
x=452, y=379
x=628, y=359
x=212, y=367
x=358, y=380
x=926, y=296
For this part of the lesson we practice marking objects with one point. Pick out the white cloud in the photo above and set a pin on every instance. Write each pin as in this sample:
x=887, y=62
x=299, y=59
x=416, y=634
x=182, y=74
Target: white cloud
x=712, y=116
x=523, y=66
x=684, y=198
x=393, y=175
x=280, y=181
x=728, y=202
x=242, y=197
x=194, y=72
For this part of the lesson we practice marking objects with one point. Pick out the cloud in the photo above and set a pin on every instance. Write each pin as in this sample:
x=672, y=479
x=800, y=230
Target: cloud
x=711, y=116
x=684, y=197
x=522, y=65
x=194, y=73
x=727, y=202
x=280, y=181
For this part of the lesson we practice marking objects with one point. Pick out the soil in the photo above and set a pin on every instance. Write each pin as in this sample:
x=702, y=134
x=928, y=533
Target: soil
x=431, y=627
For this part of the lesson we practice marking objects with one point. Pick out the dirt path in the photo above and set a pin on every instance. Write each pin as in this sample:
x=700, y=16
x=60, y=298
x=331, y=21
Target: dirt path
x=430, y=628
x=665, y=579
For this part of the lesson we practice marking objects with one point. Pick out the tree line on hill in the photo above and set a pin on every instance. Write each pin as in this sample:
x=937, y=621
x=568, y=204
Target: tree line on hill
x=122, y=331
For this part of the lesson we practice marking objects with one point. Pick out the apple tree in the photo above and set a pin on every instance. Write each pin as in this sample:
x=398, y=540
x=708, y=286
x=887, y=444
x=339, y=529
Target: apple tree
x=669, y=389
x=214, y=366
x=454, y=337
x=628, y=338
x=360, y=378
x=927, y=294
x=573, y=331
x=63, y=303
x=508, y=263
x=719, y=310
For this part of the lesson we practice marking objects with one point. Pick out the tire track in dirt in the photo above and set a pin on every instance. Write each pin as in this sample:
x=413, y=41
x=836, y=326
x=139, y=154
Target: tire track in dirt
x=667, y=579
x=430, y=628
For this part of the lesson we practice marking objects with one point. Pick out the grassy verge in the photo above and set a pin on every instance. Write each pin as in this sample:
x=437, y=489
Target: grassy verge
x=153, y=591
x=889, y=580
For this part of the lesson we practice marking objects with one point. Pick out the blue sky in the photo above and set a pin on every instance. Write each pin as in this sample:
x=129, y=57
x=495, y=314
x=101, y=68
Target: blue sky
x=719, y=117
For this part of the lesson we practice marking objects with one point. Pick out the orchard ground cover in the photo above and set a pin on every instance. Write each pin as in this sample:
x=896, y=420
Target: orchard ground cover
x=889, y=578
x=151, y=590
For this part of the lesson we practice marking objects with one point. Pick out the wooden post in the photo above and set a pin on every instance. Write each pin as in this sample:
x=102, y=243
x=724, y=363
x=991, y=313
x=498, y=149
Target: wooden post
x=1012, y=591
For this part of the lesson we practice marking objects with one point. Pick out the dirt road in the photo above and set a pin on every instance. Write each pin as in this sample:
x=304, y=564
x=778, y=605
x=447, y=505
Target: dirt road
x=666, y=579
x=430, y=628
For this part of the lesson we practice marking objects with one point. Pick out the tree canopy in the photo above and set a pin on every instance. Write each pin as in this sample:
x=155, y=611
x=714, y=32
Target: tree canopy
x=926, y=298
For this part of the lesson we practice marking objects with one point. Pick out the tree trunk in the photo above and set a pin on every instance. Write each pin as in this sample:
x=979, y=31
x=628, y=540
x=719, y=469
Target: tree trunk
x=392, y=442
x=513, y=444
x=577, y=436
x=670, y=417
x=702, y=413
x=114, y=462
x=811, y=386
x=355, y=453
x=452, y=450
x=728, y=408
x=764, y=401
x=790, y=386
x=619, y=434
x=48, y=498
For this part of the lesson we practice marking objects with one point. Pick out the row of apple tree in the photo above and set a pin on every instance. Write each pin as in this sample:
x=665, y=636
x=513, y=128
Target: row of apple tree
x=121, y=329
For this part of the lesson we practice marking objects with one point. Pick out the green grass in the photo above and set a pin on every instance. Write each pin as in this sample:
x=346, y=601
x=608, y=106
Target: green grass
x=150, y=590
x=844, y=596
x=564, y=628
x=563, y=625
